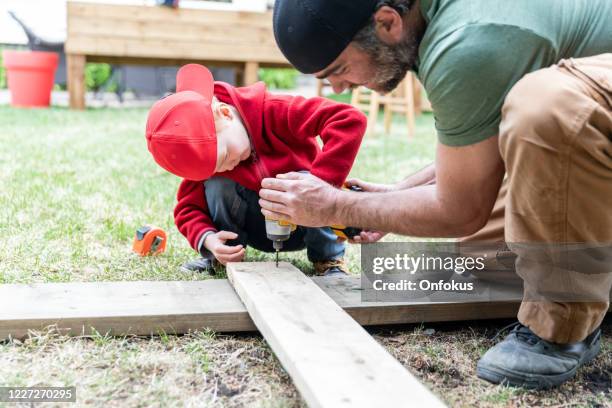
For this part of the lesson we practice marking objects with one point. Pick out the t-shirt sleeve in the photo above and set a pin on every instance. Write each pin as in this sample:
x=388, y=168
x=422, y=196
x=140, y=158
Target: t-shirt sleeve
x=468, y=74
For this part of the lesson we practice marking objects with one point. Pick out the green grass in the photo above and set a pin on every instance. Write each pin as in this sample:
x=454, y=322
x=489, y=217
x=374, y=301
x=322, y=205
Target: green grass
x=76, y=185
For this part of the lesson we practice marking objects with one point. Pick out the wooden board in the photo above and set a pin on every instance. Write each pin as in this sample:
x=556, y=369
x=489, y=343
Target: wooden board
x=145, y=308
x=332, y=360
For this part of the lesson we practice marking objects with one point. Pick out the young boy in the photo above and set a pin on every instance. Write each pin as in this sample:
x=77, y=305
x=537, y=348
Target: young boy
x=223, y=141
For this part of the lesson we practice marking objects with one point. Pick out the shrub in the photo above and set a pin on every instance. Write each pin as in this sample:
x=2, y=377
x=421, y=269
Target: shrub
x=96, y=75
x=279, y=78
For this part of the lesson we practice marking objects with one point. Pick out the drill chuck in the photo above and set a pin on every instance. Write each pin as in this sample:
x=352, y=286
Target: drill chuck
x=278, y=245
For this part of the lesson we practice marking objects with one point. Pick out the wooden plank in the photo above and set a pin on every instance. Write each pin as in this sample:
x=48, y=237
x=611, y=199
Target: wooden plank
x=141, y=308
x=332, y=360
x=145, y=308
x=172, y=62
x=147, y=48
x=173, y=31
x=75, y=73
x=162, y=15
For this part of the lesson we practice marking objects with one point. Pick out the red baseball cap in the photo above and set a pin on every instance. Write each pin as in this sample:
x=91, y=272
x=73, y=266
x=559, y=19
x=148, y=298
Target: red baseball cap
x=181, y=133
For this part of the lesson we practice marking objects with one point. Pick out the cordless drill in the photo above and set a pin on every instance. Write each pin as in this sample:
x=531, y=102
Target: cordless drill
x=278, y=232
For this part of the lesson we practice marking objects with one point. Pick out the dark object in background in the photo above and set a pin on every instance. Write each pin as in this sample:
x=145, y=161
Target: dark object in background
x=36, y=43
x=200, y=265
x=168, y=3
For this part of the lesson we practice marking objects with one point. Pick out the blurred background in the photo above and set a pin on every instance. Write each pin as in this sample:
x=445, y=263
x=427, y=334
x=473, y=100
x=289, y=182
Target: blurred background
x=41, y=25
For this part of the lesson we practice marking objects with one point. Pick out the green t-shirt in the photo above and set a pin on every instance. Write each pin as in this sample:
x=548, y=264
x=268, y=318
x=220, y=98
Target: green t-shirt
x=474, y=51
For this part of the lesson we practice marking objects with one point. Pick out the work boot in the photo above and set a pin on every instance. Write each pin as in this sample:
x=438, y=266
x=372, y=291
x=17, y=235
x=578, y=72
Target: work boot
x=332, y=267
x=523, y=359
x=200, y=265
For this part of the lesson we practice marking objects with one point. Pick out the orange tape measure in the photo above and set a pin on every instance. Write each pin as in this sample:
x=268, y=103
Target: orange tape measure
x=149, y=240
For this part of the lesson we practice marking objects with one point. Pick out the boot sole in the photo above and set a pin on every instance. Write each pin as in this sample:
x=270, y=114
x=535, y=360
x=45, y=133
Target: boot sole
x=534, y=382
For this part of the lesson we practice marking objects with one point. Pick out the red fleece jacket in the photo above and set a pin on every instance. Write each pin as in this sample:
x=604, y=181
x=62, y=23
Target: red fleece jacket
x=283, y=131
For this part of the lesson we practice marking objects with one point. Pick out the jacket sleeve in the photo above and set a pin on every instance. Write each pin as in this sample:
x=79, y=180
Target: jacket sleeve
x=341, y=127
x=191, y=214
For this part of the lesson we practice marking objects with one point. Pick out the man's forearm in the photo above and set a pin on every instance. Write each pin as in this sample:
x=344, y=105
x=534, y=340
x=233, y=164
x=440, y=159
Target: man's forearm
x=414, y=212
x=423, y=177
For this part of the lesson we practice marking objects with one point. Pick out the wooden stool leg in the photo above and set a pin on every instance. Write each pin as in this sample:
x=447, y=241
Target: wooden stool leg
x=388, y=104
x=319, y=87
x=355, y=97
x=251, y=73
x=418, y=97
x=410, y=108
x=75, y=67
x=373, y=113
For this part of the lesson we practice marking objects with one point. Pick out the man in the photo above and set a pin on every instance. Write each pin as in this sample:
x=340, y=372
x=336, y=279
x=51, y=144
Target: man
x=521, y=90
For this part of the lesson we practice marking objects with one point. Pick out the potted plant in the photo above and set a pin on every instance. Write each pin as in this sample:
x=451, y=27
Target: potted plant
x=30, y=76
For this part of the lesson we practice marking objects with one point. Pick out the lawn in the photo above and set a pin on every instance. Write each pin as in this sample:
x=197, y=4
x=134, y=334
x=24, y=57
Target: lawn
x=76, y=185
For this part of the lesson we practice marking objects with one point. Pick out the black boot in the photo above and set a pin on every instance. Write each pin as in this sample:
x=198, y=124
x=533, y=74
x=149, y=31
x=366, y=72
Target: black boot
x=523, y=359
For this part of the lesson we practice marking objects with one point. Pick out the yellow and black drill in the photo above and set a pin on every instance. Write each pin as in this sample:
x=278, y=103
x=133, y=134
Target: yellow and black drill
x=342, y=231
x=280, y=231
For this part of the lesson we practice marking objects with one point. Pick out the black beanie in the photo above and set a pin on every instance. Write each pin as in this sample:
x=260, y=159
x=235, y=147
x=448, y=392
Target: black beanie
x=313, y=33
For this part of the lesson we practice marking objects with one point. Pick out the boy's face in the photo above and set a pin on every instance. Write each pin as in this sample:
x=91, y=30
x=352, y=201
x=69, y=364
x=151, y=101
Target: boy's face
x=233, y=143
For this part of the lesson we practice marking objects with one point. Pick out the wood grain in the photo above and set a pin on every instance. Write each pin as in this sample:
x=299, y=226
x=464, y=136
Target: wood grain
x=332, y=360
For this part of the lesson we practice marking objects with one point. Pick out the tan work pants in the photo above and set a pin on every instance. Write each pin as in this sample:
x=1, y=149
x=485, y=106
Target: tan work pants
x=556, y=142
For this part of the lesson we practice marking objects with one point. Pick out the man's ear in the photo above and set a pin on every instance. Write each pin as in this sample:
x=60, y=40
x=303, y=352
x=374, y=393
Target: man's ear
x=389, y=25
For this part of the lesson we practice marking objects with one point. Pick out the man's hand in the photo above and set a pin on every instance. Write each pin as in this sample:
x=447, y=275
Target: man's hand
x=302, y=199
x=369, y=237
x=370, y=187
x=215, y=243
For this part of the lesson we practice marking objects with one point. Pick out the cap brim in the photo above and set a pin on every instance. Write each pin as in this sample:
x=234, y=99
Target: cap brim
x=197, y=78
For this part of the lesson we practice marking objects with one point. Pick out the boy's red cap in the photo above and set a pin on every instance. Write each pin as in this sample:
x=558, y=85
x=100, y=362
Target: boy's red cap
x=181, y=132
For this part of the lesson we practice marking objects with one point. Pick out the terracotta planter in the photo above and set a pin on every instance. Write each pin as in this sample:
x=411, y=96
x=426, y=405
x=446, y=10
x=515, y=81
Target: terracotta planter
x=30, y=76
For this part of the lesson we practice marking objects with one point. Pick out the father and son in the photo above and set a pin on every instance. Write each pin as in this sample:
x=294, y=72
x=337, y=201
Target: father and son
x=522, y=97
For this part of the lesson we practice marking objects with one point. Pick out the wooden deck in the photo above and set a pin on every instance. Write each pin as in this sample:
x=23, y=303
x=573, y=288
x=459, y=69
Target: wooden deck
x=163, y=36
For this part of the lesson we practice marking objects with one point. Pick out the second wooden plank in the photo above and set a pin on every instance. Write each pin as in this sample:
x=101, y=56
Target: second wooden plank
x=332, y=360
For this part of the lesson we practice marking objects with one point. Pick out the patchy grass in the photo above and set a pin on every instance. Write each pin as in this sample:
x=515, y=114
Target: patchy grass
x=75, y=186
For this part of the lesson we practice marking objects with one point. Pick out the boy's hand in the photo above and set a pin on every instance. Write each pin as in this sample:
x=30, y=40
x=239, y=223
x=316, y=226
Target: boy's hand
x=215, y=243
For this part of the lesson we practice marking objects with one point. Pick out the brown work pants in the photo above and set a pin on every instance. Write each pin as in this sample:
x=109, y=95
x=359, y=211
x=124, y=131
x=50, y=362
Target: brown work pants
x=556, y=142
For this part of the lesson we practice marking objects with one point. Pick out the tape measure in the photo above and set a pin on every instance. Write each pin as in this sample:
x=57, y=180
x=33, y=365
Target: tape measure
x=149, y=240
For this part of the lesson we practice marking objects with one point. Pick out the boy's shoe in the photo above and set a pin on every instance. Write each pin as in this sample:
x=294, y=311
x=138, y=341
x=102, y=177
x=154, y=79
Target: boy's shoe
x=523, y=359
x=200, y=265
x=332, y=267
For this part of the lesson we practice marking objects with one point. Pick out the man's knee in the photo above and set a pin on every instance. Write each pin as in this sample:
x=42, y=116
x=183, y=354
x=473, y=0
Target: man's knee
x=541, y=109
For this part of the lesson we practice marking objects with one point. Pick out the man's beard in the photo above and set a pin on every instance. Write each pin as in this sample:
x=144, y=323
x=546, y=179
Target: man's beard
x=391, y=62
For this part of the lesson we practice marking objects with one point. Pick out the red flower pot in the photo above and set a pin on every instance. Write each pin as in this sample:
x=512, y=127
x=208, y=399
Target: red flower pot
x=30, y=76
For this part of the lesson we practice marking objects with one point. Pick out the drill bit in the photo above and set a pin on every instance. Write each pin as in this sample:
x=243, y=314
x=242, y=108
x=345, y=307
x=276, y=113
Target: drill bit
x=278, y=245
